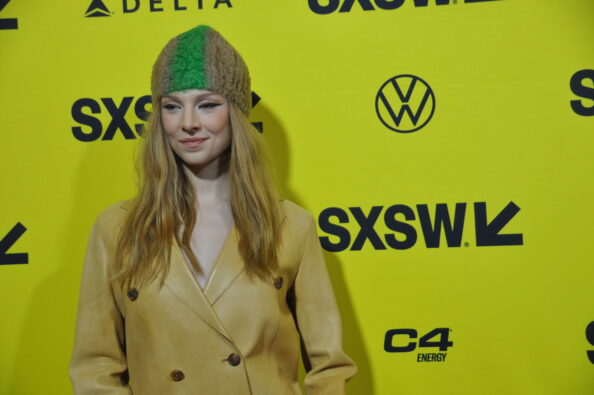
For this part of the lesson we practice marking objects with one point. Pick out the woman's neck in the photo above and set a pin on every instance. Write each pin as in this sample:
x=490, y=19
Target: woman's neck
x=211, y=183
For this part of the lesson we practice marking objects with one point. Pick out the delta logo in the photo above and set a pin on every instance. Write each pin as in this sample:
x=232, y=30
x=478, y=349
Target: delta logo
x=98, y=8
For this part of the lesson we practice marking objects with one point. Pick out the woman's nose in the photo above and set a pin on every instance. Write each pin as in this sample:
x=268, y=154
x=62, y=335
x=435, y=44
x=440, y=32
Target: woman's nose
x=191, y=122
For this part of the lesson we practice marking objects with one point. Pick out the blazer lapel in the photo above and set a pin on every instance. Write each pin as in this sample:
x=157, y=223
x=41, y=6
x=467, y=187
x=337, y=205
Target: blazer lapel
x=228, y=267
x=181, y=282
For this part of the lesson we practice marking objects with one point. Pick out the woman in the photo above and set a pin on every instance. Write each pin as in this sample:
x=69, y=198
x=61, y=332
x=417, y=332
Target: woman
x=206, y=282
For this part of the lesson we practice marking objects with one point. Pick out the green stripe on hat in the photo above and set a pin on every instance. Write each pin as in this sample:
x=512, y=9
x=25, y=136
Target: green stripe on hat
x=188, y=63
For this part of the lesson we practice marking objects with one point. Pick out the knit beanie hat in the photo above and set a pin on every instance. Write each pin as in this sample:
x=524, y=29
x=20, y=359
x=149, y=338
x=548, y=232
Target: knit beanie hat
x=201, y=58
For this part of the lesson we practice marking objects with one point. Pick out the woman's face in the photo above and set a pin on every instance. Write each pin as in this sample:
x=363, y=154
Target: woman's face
x=197, y=125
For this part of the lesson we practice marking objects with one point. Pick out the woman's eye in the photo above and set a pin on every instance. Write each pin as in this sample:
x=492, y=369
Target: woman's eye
x=209, y=105
x=170, y=107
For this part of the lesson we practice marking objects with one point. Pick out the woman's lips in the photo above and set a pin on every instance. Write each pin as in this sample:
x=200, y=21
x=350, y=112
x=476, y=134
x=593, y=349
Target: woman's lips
x=193, y=142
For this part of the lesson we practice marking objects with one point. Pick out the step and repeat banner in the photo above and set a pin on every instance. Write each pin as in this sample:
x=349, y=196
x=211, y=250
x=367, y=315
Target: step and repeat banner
x=445, y=147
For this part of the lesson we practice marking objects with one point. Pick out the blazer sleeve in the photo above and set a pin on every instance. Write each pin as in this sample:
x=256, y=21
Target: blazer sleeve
x=318, y=319
x=98, y=364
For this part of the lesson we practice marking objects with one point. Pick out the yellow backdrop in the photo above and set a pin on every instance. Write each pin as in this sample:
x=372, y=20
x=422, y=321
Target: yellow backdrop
x=445, y=147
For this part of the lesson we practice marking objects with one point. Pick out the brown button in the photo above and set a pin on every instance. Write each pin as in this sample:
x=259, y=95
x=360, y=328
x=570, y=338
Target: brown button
x=133, y=294
x=278, y=283
x=177, y=375
x=233, y=359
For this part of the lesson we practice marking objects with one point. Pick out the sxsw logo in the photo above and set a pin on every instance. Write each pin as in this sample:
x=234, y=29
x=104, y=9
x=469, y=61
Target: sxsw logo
x=7, y=23
x=405, y=103
x=90, y=115
x=323, y=7
x=98, y=8
x=580, y=88
x=435, y=223
x=84, y=112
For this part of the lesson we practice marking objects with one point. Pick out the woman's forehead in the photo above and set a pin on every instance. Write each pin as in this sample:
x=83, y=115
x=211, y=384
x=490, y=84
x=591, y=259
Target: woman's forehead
x=191, y=93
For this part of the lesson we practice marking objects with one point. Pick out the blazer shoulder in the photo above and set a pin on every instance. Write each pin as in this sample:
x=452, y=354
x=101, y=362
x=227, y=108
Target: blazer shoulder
x=111, y=217
x=296, y=215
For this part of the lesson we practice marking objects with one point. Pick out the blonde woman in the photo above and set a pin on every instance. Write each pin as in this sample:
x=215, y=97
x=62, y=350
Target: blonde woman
x=206, y=282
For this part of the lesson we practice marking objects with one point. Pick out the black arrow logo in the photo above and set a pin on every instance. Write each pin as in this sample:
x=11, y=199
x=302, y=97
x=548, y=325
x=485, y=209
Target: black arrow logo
x=12, y=259
x=590, y=337
x=97, y=8
x=488, y=234
x=7, y=23
x=255, y=100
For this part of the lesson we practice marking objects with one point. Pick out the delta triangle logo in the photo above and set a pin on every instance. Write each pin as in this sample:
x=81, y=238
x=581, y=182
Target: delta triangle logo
x=97, y=8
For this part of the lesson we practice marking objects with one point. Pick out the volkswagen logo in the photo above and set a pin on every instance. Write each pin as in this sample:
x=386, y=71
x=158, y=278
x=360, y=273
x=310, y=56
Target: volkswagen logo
x=405, y=103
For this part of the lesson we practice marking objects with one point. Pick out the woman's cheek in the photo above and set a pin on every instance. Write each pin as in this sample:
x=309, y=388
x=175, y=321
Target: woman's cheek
x=219, y=119
x=169, y=123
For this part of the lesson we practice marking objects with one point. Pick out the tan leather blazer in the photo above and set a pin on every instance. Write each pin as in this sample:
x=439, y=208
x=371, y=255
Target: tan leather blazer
x=238, y=336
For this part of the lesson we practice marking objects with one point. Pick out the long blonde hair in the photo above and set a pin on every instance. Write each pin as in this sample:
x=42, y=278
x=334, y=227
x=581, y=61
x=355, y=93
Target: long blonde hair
x=166, y=203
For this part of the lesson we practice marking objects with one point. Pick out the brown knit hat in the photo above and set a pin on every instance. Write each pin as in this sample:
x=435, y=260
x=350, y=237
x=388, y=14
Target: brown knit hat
x=201, y=58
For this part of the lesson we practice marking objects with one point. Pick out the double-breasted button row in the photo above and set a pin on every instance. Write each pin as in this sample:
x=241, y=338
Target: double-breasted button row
x=233, y=359
x=278, y=282
x=133, y=294
x=177, y=375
